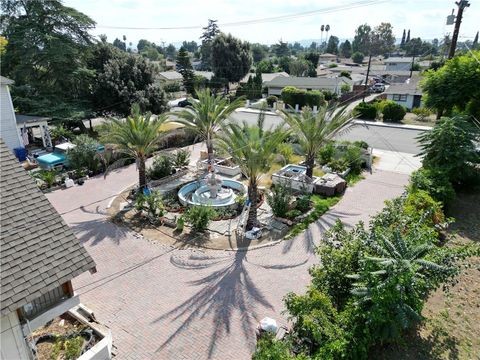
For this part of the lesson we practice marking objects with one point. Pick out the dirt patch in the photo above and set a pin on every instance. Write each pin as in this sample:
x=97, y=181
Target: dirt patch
x=451, y=329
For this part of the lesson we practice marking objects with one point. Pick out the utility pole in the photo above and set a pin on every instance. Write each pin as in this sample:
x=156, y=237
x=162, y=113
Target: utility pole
x=366, y=79
x=462, y=4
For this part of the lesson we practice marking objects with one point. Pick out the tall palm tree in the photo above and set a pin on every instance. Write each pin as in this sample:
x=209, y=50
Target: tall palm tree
x=137, y=137
x=314, y=130
x=207, y=115
x=253, y=148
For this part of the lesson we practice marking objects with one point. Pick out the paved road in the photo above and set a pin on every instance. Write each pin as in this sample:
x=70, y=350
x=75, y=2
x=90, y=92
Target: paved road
x=385, y=138
x=166, y=303
x=379, y=137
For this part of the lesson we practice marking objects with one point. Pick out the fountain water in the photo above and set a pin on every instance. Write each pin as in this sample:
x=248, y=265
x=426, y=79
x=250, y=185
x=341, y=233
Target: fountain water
x=211, y=191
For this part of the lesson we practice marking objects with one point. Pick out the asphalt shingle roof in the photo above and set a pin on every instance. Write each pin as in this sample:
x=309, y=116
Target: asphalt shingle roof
x=38, y=250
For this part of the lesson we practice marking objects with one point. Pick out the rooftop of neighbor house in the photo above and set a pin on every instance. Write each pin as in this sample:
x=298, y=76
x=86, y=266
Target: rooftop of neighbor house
x=39, y=251
x=410, y=87
x=5, y=81
x=398, y=60
x=327, y=55
x=266, y=76
x=29, y=119
x=305, y=81
x=171, y=75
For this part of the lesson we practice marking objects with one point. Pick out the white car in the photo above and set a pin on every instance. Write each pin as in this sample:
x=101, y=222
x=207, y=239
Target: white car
x=378, y=87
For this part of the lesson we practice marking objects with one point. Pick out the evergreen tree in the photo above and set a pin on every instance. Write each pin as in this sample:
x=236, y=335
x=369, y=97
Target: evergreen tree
x=402, y=43
x=408, y=37
x=231, y=58
x=209, y=33
x=185, y=68
x=361, y=41
x=346, y=49
x=475, y=42
x=332, y=46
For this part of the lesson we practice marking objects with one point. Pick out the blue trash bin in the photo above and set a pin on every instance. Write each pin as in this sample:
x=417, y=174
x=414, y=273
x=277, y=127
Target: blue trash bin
x=20, y=153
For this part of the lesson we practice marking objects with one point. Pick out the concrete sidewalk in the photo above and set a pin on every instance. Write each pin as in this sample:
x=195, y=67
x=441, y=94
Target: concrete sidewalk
x=397, y=162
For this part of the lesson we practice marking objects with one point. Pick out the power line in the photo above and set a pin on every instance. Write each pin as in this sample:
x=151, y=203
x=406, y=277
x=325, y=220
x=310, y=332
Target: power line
x=288, y=17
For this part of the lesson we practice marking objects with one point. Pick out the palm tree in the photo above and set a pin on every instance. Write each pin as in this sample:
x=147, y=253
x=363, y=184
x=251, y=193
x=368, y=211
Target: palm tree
x=253, y=148
x=314, y=130
x=137, y=137
x=207, y=115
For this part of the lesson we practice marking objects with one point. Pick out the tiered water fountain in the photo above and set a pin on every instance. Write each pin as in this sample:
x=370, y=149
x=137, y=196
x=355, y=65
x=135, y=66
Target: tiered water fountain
x=211, y=191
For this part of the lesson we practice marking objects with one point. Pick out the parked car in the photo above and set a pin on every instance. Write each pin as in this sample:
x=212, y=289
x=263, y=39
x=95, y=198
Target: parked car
x=58, y=158
x=378, y=88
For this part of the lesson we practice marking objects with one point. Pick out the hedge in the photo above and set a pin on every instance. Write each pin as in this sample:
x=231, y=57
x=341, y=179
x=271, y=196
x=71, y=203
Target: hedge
x=293, y=96
x=365, y=111
x=393, y=112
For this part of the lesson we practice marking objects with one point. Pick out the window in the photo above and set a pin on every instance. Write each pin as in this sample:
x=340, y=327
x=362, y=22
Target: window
x=400, y=97
x=46, y=301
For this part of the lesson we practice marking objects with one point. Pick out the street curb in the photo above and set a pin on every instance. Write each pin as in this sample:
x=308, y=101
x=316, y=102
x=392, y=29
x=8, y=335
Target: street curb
x=406, y=127
x=254, y=111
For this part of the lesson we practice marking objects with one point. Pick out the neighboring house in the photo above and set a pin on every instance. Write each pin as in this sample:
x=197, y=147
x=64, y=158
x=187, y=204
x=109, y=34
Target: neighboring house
x=170, y=65
x=39, y=256
x=206, y=74
x=8, y=124
x=408, y=94
x=170, y=77
x=327, y=57
x=266, y=77
x=276, y=85
x=398, y=63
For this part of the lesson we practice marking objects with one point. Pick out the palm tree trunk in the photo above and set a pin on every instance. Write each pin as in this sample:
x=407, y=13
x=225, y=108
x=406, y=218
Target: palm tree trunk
x=252, y=196
x=310, y=162
x=210, y=151
x=142, y=178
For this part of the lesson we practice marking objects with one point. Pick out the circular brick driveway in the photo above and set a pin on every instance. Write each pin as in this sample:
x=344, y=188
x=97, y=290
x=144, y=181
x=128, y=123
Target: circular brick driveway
x=166, y=303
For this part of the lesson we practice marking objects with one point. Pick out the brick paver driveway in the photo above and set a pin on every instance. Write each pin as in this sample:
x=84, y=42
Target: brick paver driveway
x=167, y=303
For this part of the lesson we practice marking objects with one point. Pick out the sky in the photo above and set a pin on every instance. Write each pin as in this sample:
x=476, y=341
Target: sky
x=425, y=18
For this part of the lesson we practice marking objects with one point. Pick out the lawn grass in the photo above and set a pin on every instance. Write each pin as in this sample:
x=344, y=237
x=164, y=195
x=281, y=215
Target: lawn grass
x=352, y=178
x=320, y=207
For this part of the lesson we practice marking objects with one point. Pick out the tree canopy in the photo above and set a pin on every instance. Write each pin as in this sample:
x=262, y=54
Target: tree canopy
x=454, y=85
x=230, y=57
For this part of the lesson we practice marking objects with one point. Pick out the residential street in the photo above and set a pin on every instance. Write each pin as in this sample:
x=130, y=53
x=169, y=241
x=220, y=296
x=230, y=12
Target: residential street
x=167, y=303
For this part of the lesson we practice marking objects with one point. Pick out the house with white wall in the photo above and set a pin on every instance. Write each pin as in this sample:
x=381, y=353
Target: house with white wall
x=398, y=63
x=8, y=123
x=408, y=94
x=276, y=85
x=40, y=255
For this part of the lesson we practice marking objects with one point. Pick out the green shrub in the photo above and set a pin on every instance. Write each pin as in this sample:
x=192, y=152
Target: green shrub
x=293, y=96
x=361, y=144
x=329, y=95
x=332, y=65
x=303, y=203
x=422, y=113
x=345, y=88
x=182, y=158
x=199, y=217
x=268, y=348
x=393, y=112
x=84, y=154
x=279, y=199
x=314, y=98
x=73, y=348
x=365, y=111
x=162, y=166
x=152, y=204
x=292, y=214
x=286, y=151
x=326, y=153
x=339, y=165
x=172, y=87
x=420, y=204
x=435, y=182
x=48, y=176
x=357, y=57
x=272, y=99
x=450, y=147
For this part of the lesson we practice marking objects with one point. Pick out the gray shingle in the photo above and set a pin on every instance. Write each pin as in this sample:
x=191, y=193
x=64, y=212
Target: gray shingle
x=39, y=251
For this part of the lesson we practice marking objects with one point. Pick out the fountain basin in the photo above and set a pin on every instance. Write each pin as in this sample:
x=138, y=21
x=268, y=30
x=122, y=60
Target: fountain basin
x=198, y=193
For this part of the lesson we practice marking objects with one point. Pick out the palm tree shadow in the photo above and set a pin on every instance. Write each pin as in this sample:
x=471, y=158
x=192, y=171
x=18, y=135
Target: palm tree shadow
x=98, y=230
x=226, y=290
